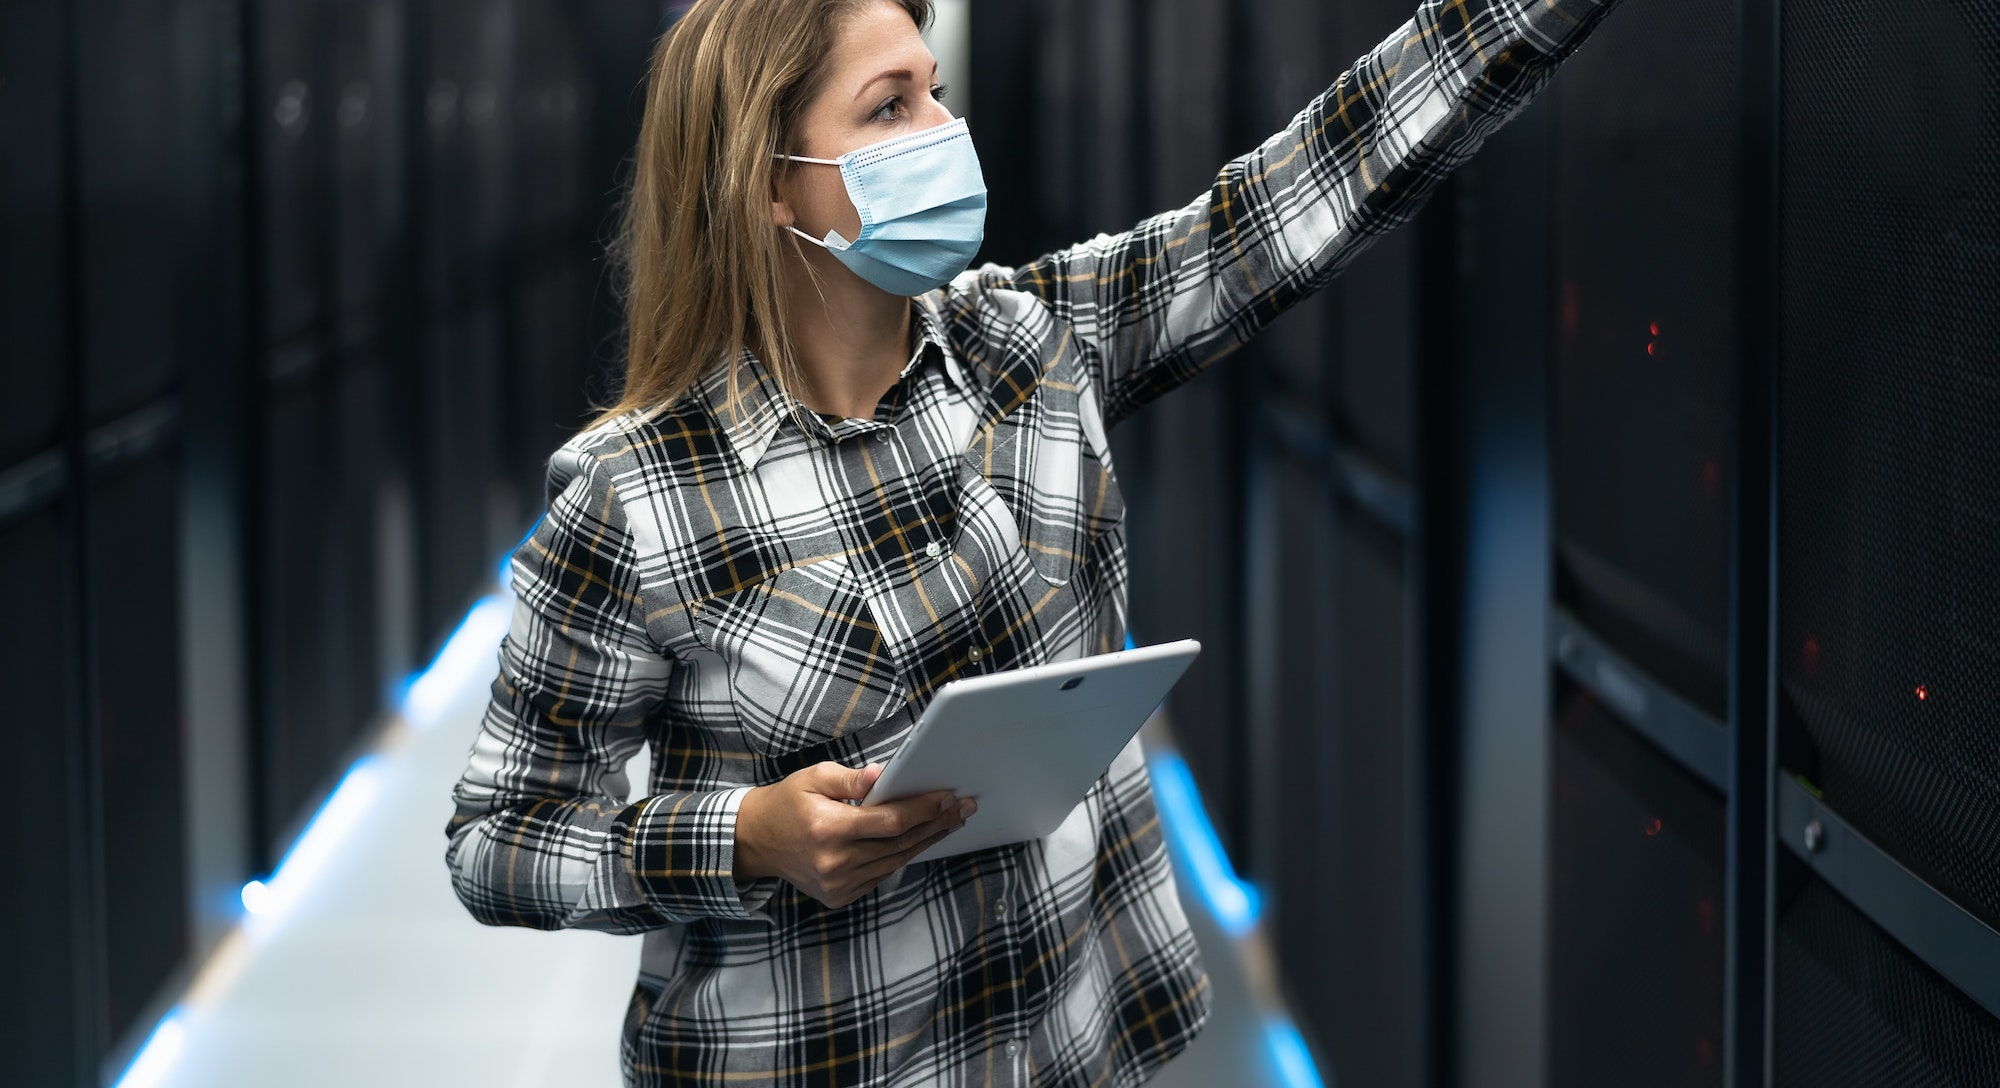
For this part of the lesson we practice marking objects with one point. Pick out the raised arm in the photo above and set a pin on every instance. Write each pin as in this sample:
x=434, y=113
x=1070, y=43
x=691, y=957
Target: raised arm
x=542, y=837
x=1154, y=305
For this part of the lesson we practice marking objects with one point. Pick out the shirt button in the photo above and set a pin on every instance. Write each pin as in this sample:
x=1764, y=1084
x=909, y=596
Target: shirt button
x=934, y=549
x=1000, y=910
x=974, y=655
x=1013, y=1049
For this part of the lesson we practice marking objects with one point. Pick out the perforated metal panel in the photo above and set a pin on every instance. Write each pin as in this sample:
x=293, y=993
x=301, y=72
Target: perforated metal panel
x=1646, y=337
x=1890, y=448
x=1854, y=1010
x=1635, y=910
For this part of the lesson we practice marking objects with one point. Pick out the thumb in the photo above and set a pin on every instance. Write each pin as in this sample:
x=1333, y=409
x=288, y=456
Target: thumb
x=844, y=783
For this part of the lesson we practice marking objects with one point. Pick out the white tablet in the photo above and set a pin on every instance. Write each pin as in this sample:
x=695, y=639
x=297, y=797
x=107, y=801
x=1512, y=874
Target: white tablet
x=1028, y=743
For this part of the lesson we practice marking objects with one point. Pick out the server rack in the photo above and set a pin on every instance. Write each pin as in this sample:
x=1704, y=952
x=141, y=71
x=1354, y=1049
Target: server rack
x=228, y=341
x=1646, y=432
x=1886, y=914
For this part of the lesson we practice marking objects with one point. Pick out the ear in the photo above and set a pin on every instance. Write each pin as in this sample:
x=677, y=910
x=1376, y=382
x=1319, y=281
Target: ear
x=781, y=214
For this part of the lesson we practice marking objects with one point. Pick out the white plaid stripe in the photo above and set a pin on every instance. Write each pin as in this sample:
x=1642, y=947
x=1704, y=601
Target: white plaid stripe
x=750, y=589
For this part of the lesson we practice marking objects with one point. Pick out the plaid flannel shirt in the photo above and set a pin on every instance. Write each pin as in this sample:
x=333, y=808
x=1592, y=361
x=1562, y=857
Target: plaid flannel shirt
x=750, y=589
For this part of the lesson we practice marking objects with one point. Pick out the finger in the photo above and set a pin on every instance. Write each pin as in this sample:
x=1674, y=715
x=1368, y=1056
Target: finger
x=842, y=783
x=876, y=871
x=892, y=820
x=866, y=851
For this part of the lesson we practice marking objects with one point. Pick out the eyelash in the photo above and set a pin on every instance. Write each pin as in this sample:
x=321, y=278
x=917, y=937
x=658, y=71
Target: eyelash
x=937, y=93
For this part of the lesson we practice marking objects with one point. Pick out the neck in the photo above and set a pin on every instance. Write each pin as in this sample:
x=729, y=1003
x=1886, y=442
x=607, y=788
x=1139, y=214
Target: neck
x=851, y=338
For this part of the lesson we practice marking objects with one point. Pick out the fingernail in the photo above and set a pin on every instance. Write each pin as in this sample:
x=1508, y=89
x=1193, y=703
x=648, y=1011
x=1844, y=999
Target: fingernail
x=944, y=802
x=966, y=808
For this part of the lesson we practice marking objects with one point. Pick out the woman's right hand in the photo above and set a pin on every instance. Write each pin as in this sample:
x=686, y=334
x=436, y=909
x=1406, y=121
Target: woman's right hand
x=803, y=830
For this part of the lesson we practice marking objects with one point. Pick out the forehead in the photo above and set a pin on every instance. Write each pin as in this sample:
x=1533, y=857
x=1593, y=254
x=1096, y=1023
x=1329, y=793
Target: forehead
x=877, y=38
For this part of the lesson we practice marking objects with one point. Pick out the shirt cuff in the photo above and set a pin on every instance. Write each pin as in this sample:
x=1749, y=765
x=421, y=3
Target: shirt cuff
x=684, y=858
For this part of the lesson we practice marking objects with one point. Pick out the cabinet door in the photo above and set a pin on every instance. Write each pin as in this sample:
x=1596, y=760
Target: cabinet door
x=31, y=220
x=134, y=578
x=39, y=915
x=125, y=96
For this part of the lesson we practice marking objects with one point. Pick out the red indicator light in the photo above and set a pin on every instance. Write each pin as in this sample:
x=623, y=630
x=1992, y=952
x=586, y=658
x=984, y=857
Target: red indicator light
x=1650, y=347
x=1810, y=652
x=1652, y=827
x=1923, y=693
x=1654, y=328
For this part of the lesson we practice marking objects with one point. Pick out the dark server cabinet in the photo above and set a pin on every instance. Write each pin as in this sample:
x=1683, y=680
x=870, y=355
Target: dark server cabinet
x=294, y=110
x=329, y=197
x=1333, y=743
x=365, y=109
x=125, y=95
x=1186, y=449
x=1889, y=524
x=1646, y=345
x=31, y=202
x=292, y=129
x=1636, y=909
x=550, y=269
x=47, y=915
x=1644, y=471
x=468, y=109
x=127, y=245
x=1858, y=1010
x=1365, y=1012
x=301, y=720
x=135, y=589
x=366, y=627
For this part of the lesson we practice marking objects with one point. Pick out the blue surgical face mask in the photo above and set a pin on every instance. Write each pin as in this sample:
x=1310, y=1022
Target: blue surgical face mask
x=922, y=201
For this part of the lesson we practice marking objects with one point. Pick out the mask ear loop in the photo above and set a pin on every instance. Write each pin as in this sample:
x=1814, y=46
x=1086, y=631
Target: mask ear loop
x=795, y=230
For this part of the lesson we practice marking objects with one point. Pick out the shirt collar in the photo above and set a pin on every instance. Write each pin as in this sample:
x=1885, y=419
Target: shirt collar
x=747, y=401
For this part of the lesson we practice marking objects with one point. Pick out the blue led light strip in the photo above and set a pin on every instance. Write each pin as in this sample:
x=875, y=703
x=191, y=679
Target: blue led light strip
x=1233, y=902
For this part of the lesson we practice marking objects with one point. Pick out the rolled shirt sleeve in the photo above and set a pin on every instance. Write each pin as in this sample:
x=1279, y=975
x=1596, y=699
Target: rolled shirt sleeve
x=542, y=835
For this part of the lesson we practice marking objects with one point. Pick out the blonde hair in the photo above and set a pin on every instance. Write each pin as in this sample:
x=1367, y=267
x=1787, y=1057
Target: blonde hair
x=696, y=255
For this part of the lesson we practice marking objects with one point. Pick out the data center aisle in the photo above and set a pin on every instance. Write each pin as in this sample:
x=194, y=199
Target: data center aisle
x=373, y=974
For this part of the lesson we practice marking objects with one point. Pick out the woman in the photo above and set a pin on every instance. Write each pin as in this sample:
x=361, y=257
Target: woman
x=846, y=471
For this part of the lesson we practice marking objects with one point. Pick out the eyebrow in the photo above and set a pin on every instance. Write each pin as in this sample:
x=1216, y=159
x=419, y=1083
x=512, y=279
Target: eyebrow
x=893, y=73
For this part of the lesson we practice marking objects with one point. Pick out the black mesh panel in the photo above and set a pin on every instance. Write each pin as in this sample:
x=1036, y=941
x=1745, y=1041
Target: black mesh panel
x=1854, y=1010
x=1646, y=345
x=1890, y=471
x=1635, y=910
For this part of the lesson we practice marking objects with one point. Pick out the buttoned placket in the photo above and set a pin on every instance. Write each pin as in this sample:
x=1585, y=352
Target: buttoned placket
x=1003, y=915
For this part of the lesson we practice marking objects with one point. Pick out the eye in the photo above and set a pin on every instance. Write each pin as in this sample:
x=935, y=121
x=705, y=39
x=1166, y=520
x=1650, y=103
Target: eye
x=887, y=110
x=939, y=91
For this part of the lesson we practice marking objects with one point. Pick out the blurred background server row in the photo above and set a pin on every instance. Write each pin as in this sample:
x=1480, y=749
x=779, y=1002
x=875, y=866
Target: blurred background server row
x=1599, y=579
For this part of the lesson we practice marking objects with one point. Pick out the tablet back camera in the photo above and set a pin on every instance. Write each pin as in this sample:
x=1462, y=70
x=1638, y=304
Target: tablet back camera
x=1072, y=682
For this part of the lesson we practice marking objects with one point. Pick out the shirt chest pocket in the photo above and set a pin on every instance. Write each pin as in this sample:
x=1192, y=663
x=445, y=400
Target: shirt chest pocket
x=804, y=658
x=1051, y=465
